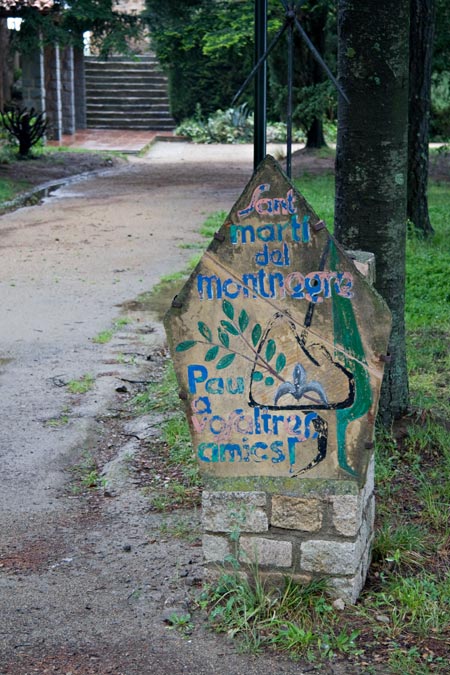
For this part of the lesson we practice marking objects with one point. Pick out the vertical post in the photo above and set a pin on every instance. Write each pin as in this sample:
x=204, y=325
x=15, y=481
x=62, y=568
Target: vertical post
x=259, y=134
x=71, y=69
x=289, y=100
x=58, y=93
x=43, y=93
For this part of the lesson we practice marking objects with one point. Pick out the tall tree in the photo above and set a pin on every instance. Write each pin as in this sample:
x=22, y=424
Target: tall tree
x=371, y=161
x=420, y=63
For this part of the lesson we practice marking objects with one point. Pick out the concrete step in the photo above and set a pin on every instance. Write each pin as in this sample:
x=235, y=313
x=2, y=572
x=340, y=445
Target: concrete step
x=108, y=116
x=128, y=104
x=123, y=72
x=142, y=94
x=121, y=124
x=122, y=94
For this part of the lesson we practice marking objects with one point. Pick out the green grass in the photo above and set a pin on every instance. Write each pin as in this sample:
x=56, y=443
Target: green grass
x=173, y=448
x=319, y=193
x=81, y=386
x=10, y=189
x=106, y=336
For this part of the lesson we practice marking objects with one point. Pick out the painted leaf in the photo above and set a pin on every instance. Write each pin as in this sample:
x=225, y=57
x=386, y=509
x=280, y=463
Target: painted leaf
x=228, y=309
x=225, y=361
x=229, y=327
x=205, y=331
x=224, y=338
x=256, y=334
x=243, y=320
x=257, y=376
x=184, y=346
x=280, y=362
x=212, y=353
x=270, y=349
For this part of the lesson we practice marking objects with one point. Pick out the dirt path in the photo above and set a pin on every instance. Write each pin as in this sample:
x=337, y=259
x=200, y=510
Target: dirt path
x=86, y=583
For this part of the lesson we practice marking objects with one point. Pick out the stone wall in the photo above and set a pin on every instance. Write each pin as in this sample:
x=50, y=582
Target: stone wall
x=325, y=533
x=64, y=97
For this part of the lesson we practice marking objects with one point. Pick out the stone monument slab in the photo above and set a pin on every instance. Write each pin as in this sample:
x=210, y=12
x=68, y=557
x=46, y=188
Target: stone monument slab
x=279, y=344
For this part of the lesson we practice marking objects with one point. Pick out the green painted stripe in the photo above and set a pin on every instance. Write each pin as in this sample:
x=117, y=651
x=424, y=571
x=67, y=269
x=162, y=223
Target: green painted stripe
x=347, y=336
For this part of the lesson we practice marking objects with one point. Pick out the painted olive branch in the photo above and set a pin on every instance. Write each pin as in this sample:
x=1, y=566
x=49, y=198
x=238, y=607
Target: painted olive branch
x=229, y=327
x=232, y=327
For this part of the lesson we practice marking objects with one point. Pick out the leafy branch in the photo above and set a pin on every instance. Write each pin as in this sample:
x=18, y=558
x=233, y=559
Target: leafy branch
x=229, y=328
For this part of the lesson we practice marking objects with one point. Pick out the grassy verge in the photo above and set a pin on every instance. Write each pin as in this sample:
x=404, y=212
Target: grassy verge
x=10, y=189
x=174, y=480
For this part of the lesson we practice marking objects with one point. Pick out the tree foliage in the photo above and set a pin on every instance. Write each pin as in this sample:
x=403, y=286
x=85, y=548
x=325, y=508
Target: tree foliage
x=205, y=48
x=65, y=24
x=440, y=79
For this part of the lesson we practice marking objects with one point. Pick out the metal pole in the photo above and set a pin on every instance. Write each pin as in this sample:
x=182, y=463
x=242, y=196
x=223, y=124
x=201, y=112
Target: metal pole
x=259, y=134
x=290, y=75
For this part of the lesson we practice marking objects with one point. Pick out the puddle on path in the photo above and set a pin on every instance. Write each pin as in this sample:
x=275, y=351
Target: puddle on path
x=157, y=301
x=30, y=198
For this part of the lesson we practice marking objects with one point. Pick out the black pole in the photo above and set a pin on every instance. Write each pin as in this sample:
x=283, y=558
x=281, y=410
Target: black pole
x=259, y=134
x=290, y=75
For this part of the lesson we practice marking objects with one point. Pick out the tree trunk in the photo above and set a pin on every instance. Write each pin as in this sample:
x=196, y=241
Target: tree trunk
x=420, y=58
x=317, y=22
x=4, y=70
x=315, y=137
x=371, y=161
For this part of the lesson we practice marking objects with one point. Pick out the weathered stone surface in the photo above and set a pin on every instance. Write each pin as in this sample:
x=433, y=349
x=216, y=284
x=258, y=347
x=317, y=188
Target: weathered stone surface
x=215, y=549
x=348, y=588
x=329, y=557
x=293, y=513
x=275, y=338
x=234, y=512
x=369, y=486
x=348, y=511
x=266, y=552
x=346, y=514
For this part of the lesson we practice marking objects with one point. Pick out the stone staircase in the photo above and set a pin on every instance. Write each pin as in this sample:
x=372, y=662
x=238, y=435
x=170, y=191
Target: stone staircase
x=126, y=93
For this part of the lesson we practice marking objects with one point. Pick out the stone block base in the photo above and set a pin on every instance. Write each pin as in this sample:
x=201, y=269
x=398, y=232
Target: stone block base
x=322, y=534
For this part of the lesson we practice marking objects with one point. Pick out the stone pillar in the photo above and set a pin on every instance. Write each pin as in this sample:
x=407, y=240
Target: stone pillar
x=67, y=90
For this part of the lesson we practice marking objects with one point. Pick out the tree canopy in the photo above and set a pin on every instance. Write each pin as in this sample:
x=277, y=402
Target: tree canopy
x=112, y=31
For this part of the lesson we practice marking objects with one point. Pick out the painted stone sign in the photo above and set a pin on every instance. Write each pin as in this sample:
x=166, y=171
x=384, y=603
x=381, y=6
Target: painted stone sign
x=278, y=343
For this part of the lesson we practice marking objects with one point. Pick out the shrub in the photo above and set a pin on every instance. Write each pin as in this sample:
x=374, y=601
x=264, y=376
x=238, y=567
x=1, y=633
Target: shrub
x=234, y=125
x=26, y=126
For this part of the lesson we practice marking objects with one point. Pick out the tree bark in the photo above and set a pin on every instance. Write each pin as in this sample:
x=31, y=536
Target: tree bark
x=371, y=161
x=4, y=70
x=420, y=61
x=315, y=137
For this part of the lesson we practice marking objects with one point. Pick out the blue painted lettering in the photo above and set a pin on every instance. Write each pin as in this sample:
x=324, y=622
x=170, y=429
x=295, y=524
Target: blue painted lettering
x=233, y=450
x=279, y=256
x=277, y=449
x=208, y=452
x=196, y=374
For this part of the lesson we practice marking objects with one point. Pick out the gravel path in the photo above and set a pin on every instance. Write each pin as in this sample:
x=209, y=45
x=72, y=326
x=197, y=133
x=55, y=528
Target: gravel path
x=86, y=583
